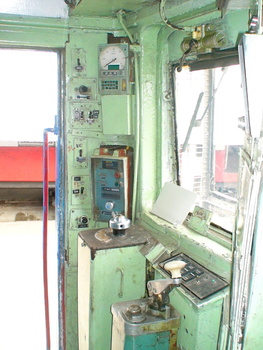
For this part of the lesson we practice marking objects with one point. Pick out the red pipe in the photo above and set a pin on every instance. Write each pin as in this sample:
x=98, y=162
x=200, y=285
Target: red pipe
x=63, y=309
x=45, y=235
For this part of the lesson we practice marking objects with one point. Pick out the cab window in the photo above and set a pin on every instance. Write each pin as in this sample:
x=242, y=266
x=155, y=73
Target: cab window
x=209, y=110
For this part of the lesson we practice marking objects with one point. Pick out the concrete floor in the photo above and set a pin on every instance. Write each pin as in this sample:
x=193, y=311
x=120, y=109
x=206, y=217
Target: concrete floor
x=22, y=316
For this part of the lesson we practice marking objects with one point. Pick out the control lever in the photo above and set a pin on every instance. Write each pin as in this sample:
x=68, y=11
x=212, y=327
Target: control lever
x=159, y=289
x=175, y=268
x=119, y=223
x=158, y=286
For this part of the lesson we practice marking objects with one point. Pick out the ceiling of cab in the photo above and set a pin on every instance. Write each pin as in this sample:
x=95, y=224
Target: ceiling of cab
x=109, y=7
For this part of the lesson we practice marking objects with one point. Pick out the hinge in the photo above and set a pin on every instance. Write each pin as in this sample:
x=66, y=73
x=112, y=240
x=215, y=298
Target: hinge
x=66, y=255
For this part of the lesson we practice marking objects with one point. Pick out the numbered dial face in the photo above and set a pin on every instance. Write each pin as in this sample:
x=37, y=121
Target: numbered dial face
x=112, y=58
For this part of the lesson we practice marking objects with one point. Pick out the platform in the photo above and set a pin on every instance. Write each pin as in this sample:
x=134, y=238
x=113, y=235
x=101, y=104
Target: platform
x=22, y=297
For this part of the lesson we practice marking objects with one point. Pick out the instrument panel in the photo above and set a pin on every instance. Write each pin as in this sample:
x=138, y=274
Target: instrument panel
x=114, y=69
x=195, y=278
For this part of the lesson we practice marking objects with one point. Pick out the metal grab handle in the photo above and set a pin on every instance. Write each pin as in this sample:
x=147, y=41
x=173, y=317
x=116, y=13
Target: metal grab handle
x=120, y=294
x=45, y=233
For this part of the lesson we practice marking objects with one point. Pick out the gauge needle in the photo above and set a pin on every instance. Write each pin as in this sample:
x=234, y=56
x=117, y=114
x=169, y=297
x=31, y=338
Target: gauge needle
x=114, y=59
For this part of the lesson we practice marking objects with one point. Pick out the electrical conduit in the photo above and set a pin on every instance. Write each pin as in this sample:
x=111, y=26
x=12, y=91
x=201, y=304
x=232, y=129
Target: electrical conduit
x=120, y=14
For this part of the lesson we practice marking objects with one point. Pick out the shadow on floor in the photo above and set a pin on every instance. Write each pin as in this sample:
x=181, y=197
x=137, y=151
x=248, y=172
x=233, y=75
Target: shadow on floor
x=23, y=211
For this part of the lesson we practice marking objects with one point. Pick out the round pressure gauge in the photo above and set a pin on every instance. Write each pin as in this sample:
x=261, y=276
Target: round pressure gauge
x=112, y=58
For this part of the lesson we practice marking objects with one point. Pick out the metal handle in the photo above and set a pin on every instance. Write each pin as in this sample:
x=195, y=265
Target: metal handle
x=175, y=268
x=120, y=294
x=45, y=233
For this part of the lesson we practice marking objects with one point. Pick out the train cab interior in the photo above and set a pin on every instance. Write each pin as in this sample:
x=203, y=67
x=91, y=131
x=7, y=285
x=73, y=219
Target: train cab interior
x=156, y=167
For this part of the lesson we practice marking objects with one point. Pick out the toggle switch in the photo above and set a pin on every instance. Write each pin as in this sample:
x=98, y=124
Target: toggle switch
x=78, y=67
x=81, y=159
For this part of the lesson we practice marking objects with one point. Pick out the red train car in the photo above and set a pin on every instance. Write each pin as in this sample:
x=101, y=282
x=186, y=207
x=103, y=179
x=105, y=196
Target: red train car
x=21, y=171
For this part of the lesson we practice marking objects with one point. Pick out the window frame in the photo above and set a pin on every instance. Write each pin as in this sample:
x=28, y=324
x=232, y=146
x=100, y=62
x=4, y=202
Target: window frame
x=223, y=58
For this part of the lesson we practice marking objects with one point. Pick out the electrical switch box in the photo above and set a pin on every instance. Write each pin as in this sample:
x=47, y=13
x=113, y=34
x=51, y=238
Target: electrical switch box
x=78, y=219
x=80, y=151
x=111, y=175
x=86, y=116
x=79, y=64
x=83, y=89
x=79, y=190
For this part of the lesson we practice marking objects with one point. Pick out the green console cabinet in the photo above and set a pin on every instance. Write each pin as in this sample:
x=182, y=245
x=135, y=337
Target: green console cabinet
x=136, y=326
x=200, y=300
x=110, y=269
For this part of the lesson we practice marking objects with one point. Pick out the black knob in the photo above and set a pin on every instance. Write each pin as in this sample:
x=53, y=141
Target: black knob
x=84, y=219
x=83, y=89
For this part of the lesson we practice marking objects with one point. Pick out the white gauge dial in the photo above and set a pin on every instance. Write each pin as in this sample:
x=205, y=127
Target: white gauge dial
x=112, y=58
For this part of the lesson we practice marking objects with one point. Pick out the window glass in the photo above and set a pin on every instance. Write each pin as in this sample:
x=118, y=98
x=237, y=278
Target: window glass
x=47, y=8
x=209, y=105
x=29, y=94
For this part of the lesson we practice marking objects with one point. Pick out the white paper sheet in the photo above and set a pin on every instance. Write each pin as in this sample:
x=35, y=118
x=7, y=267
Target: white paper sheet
x=174, y=203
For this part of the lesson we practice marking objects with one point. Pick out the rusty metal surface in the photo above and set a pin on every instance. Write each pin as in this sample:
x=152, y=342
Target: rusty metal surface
x=104, y=239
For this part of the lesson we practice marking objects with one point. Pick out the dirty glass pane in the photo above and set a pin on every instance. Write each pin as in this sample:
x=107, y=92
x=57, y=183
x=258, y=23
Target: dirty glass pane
x=40, y=8
x=209, y=110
